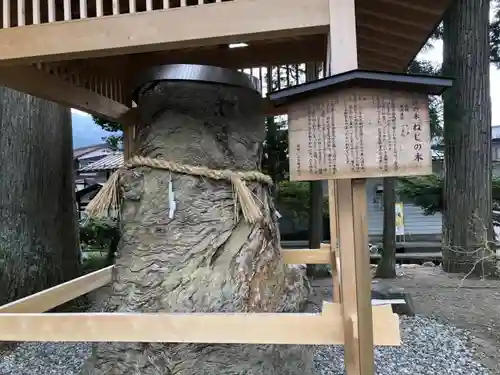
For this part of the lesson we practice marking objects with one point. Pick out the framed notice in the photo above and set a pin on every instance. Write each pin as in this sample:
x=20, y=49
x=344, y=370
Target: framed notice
x=359, y=133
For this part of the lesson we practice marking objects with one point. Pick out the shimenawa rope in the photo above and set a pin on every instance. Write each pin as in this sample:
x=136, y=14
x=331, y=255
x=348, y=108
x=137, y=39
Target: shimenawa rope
x=108, y=199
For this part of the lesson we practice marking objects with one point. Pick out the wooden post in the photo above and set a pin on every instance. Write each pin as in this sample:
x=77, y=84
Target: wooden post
x=334, y=245
x=348, y=215
x=129, y=122
x=128, y=140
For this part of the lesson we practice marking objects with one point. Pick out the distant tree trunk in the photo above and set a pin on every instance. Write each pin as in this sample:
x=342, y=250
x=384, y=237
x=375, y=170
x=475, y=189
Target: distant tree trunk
x=386, y=268
x=202, y=259
x=467, y=221
x=38, y=229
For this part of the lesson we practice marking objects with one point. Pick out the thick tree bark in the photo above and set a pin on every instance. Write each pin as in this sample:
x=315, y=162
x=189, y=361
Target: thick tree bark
x=38, y=229
x=386, y=267
x=467, y=222
x=202, y=259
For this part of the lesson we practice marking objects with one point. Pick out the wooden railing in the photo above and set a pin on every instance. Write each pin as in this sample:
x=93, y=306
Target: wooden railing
x=19, y=13
x=24, y=320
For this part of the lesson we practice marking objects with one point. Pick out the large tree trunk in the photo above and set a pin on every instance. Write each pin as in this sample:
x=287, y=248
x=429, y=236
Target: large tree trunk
x=202, y=259
x=467, y=222
x=38, y=231
x=386, y=268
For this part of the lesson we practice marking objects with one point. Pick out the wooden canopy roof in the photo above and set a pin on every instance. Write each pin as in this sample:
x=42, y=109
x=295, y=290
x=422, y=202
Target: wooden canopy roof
x=82, y=53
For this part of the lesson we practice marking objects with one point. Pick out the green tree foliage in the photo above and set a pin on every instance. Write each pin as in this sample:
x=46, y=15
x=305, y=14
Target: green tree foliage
x=427, y=192
x=275, y=149
x=293, y=196
x=102, y=234
x=423, y=191
x=495, y=34
x=435, y=103
x=114, y=141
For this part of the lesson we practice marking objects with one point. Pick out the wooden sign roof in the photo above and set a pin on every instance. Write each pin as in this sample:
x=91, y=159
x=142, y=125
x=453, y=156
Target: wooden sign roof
x=432, y=85
x=86, y=51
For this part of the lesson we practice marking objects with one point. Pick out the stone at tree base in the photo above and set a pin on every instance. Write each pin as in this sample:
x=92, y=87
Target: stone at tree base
x=201, y=260
x=385, y=292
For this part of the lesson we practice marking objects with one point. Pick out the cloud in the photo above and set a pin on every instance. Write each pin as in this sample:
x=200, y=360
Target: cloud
x=79, y=113
x=85, y=131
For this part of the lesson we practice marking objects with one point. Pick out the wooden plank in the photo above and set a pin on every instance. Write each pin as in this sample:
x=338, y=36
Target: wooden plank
x=35, y=82
x=350, y=223
x=347, y=275
x=290, y=51
x=225, y=328
x=306, y=256
x=342, y=39
x=165, y=30
x=334, y=243
x=62, y=293
x=363, y=279
x=128, y=141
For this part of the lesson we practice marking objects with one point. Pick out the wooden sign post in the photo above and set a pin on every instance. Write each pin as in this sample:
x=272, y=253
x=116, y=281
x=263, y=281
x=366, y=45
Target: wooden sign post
x=347, y=128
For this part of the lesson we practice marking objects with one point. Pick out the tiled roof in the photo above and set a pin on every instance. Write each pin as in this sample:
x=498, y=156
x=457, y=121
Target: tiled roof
x=111, y=162
x=78, y=152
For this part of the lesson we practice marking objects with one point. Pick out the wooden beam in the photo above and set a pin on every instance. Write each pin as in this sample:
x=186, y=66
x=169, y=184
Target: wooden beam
x=355, y=275
x=224, y=328
x=393, y=56
x=36, y=82
x=334, y=243
x=307, y=256
x=175, y=28
x=62, y=293
x=401, y=28
x=375, y=63
x=427, y=7
x=52, y=297
x=362, y=274
x=412, y=38
x=346, y=217
x=367, y=40
x=389, y=14
x=295, y=51
x=129, y=118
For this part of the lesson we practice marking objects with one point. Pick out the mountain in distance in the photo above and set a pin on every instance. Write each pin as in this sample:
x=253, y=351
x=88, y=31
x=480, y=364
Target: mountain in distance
x=85, y=130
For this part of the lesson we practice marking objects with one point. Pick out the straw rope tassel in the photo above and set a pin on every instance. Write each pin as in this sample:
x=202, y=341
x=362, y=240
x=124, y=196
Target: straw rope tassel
x=108, y=199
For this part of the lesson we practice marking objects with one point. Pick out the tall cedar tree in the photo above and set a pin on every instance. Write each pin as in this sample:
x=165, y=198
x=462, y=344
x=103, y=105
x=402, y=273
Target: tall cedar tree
x=38, y=230
x=467, y=201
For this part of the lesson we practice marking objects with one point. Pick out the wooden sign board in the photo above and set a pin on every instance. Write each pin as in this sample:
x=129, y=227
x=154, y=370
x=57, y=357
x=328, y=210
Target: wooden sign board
x=359, y=133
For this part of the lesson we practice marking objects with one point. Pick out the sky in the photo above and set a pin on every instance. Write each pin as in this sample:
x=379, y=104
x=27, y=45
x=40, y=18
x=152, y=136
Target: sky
x=436, y=56
x=86, y=132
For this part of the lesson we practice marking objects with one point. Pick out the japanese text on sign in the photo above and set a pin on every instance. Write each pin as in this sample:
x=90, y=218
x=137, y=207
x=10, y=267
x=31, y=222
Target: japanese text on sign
x=359, y=133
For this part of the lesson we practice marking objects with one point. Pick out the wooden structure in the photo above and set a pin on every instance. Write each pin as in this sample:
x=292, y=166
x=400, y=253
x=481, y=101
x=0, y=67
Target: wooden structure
x=346, y=128
x=83, y=54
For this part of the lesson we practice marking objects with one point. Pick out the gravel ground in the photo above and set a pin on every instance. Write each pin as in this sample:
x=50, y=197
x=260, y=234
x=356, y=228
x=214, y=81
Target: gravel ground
x=431, y=345
x=429, y=348
x=45, y=359
x=471, y=304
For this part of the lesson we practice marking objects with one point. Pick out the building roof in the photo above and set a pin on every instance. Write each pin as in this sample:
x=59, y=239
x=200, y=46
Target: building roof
x=108, y=163
x=81, y=151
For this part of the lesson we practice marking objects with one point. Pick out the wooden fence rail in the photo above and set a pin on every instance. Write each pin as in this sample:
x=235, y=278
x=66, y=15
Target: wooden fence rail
x=24, y=320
